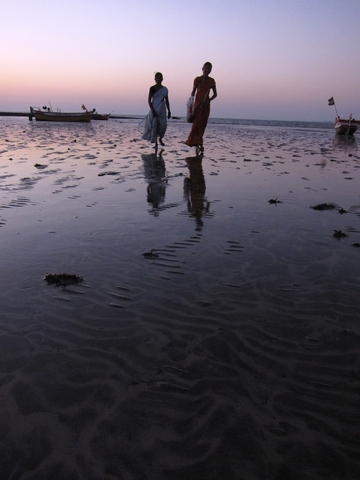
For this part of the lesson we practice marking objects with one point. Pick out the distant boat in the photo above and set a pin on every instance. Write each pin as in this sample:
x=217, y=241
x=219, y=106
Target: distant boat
x=100, y=116
x=47, y=115
x=343, y=126
x=95, y=114
x=346, y=127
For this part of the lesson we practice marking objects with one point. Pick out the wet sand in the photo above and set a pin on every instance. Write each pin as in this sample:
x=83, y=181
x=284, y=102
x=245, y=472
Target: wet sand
x=216, y=332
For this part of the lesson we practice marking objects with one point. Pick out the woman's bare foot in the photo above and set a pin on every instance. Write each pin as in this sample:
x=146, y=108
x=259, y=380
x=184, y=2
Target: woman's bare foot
x=161, y=142
x=199, y=150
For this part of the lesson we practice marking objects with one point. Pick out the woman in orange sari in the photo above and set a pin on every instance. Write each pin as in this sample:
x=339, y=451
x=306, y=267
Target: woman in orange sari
x=202, y=87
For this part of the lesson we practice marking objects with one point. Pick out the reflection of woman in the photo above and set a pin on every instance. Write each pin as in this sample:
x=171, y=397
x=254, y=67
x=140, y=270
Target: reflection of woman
x=194, y=189
x=155, y=121
x=202, y=87
x=155, y=174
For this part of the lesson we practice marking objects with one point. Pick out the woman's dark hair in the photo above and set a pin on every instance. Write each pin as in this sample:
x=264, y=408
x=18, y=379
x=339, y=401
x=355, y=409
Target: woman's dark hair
x=207, y=64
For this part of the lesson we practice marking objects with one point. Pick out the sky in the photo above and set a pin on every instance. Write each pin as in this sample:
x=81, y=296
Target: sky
x=272, y=59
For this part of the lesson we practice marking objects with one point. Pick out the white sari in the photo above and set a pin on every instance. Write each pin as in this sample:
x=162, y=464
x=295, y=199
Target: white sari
x=156, y=126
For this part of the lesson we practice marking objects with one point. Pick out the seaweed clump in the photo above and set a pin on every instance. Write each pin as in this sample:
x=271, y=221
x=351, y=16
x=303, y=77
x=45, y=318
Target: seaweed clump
x=274, y=201
x=63, y=279
x=150, y=254
x=324, y=206
x=339, y=234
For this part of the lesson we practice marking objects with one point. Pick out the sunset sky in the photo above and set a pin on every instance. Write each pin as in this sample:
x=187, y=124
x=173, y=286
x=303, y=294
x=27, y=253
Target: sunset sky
x=272, y=59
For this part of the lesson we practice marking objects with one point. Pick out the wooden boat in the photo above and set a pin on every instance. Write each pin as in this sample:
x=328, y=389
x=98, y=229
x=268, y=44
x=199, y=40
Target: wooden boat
x=95, y=114
x=346, y=127
x=47, y=115
x=101, y=116
x=343, y=126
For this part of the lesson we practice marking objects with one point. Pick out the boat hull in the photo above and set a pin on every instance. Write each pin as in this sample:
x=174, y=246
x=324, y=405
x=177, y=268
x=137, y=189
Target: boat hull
x=99, y=116
x=346, y=127
x=41, y=116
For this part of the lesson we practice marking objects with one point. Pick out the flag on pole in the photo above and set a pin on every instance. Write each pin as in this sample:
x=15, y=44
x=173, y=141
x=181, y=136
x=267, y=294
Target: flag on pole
x=331, y=101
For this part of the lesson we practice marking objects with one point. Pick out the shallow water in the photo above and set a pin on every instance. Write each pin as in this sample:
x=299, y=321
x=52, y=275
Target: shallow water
x=230, y=350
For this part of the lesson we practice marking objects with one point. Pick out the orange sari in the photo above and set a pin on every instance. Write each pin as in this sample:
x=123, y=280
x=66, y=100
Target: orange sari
x=202, y=112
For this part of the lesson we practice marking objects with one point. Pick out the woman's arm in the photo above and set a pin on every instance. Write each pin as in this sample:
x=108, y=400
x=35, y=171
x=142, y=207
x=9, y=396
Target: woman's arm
x=167, y=103
x=214, y=93
x=150, y=97
x=209, y=99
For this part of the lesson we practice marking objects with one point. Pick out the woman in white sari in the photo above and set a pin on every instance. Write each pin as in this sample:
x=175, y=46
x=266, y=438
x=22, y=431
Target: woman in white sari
x=156, y=119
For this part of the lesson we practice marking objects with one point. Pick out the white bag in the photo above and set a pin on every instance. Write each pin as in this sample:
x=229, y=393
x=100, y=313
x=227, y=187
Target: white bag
x=190, y=110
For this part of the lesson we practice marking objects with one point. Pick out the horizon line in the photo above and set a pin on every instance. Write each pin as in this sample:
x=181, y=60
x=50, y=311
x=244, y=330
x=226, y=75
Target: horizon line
x=139, y=116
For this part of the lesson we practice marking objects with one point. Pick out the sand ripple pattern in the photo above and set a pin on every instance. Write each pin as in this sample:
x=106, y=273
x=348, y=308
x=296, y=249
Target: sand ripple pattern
x=215, y=336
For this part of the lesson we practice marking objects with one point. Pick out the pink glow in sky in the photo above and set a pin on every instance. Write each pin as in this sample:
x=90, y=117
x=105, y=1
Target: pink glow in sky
x=272, y=59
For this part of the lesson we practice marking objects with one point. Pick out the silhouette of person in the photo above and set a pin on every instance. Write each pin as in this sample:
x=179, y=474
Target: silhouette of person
x=156, y=120
x=202, y=87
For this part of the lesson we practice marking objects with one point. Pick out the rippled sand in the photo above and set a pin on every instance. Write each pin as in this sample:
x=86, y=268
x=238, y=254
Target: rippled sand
x=216, y=333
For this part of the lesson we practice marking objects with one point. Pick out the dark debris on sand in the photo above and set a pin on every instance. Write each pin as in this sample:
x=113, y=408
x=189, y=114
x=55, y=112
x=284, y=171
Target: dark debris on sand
x=102, y=174
x=63, y=279
x=339, y=234
x=274, y=201
x=324, y=206
x=328, y=206
x=150, y=254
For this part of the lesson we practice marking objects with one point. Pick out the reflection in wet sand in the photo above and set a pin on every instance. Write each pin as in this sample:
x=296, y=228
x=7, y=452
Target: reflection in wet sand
x=225, y=353
x=346, y=143
x=194, y=191
x=155, y=174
